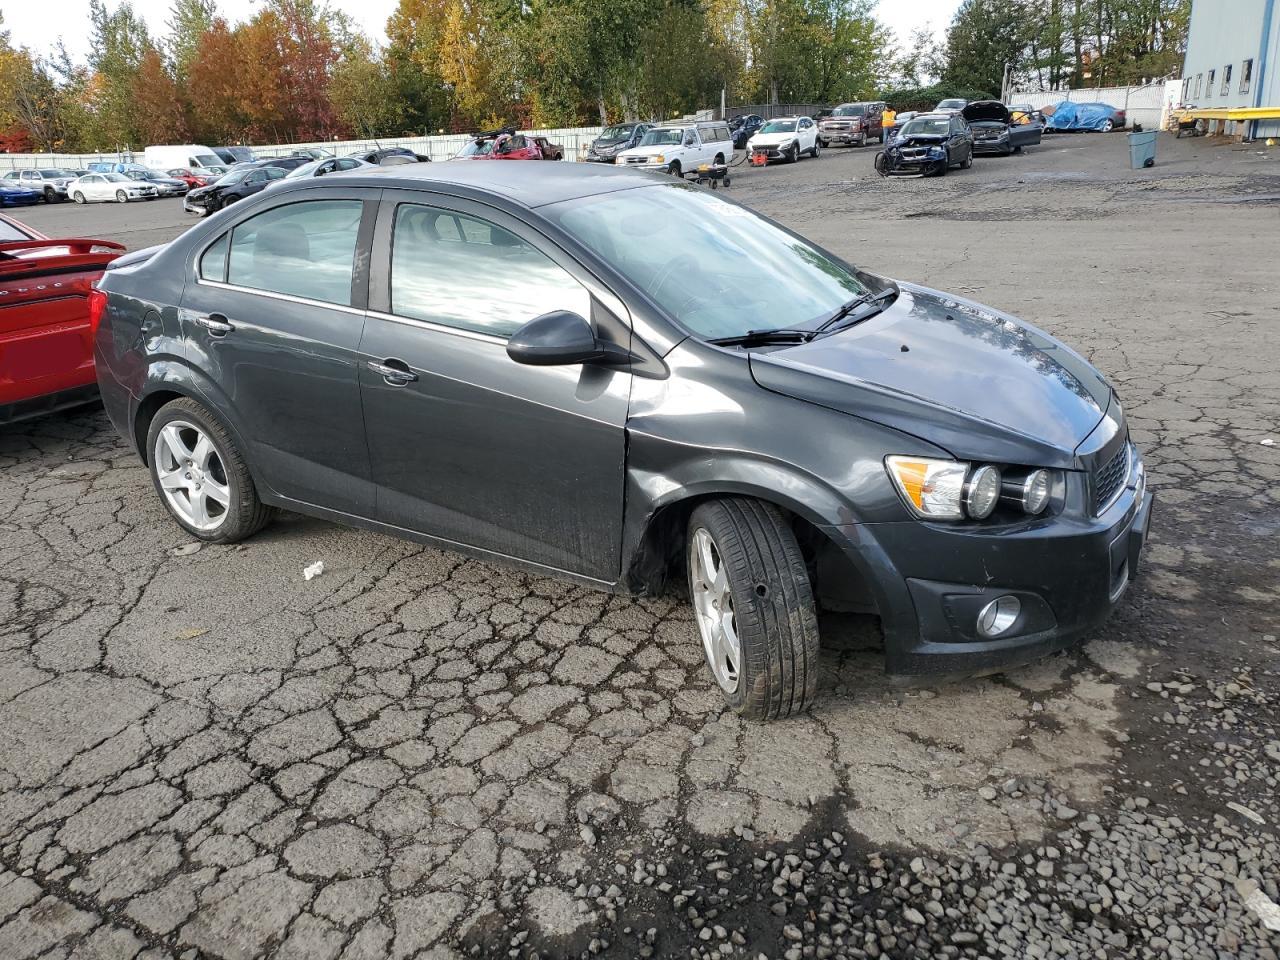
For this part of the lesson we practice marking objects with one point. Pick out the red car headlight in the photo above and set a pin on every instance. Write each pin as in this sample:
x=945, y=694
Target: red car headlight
x=97, y=306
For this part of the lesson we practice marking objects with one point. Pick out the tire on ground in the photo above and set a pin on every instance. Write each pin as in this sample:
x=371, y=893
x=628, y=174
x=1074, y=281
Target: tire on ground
x=773, y=604
x=246, y=514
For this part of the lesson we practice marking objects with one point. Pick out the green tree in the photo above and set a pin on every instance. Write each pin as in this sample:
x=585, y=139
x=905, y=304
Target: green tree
x=984, y=38
x=189, y=21
x=119, y=42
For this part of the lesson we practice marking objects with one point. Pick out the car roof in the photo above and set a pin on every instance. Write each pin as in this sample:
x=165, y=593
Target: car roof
x=528, y=184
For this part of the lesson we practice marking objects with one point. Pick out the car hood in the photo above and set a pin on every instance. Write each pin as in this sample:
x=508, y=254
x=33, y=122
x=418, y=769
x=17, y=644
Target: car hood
x=771, y=139
x=650, y=151
x=602, y=144
x=972, y=380
x=990, y=111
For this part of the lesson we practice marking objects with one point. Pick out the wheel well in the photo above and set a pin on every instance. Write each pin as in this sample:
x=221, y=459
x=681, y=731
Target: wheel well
x=146, y=412
x=838, y=585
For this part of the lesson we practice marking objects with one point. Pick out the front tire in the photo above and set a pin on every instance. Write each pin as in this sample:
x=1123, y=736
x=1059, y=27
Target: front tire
x=201, y=476
x=121, y=197
x=754, y=608
x=793, y=155
x=674, y=169
x=50, y=195
x=79, y=197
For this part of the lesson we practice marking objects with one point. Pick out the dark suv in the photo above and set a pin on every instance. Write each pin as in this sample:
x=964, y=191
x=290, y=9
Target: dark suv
x=613, y=140
x=578, y=369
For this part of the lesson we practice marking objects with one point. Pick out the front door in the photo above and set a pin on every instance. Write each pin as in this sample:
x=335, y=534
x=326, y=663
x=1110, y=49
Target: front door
x=466, y=445
x=274, y=316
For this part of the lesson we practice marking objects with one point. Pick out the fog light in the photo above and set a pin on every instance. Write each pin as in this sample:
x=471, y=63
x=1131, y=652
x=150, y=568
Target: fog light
x=999, y=616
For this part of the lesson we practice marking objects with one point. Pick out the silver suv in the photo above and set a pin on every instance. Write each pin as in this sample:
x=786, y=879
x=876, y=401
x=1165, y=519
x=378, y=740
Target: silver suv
x=50, y=181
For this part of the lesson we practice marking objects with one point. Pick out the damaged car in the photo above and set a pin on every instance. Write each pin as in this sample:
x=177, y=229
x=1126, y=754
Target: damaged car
x=622, y=379
x=929, y=144
x=994, y=130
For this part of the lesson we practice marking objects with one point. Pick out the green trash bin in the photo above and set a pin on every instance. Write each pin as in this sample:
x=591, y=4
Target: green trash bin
x=1142, y=150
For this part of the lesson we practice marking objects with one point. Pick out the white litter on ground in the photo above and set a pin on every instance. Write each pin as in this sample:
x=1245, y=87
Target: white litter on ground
x=313, y=571
x=1246, y=812
x=1262, y=906
x=1267, y=442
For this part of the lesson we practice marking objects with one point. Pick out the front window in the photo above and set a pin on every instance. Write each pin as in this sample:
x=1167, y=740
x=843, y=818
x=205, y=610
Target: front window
x=207, y=160
x=702, y=259
x=617, y=132
x=115, y=178
x=851, y=110
x=662, y=138
x=926, y=128
x=303, y=249
x=463, y=272
x=779, y=126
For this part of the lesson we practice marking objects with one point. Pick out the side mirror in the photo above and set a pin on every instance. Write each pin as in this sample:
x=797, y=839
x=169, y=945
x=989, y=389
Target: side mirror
x=561, y=338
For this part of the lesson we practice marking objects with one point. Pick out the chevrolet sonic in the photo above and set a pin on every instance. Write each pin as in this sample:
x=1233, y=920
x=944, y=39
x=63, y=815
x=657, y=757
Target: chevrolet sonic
x=618, y=378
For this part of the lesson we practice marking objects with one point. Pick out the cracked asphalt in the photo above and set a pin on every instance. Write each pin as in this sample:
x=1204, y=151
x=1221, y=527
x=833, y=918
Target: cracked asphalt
x=414, y=754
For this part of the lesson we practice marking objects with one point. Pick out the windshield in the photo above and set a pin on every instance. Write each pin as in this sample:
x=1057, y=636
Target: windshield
x=306, y=170
x=926, y=128
x=208, y=161
x=661, y=137
x=235, y=176
x=476, y=148
x=702, y=259
x=779, y=126
x=952, y=104
x=618, y=132
x=849, y=110
x=54, y=174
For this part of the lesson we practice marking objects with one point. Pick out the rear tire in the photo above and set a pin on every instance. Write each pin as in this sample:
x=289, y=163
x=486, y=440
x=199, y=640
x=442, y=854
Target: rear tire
x=244, y=513
x=967, y=162
x=743, y=555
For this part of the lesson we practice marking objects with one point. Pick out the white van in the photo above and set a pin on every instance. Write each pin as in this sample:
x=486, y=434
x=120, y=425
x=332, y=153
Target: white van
x=189, y=156
x=679, y=148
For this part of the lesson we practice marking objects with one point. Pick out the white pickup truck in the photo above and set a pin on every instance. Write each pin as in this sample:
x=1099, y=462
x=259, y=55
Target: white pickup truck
x=679, y=148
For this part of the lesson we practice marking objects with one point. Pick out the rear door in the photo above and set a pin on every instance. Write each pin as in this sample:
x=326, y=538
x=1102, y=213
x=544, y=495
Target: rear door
x=466, y=445
x=274, y=317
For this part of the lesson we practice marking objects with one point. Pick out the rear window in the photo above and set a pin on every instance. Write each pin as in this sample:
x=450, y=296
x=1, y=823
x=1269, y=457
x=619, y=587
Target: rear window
x=304, y=250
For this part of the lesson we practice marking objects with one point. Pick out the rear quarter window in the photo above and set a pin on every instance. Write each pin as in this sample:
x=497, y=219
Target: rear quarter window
x=303, y=249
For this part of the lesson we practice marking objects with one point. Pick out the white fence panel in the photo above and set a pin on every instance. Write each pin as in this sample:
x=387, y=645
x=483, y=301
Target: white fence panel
x=575, y=141
x=1144, y=105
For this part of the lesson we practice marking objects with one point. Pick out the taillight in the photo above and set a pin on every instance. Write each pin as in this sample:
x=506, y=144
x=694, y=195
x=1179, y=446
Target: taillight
x=97, y=306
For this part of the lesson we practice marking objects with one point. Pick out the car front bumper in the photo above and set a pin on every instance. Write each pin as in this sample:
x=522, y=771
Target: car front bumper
x=930, y=580
x=992, y=148
x=858, y=137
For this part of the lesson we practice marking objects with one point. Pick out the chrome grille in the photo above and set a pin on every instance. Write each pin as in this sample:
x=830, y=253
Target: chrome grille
x=1109, y=480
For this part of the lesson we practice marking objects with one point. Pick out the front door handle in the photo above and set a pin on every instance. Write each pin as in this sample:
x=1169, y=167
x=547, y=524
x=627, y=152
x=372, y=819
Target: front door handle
x=395, y=372
x=216, y=324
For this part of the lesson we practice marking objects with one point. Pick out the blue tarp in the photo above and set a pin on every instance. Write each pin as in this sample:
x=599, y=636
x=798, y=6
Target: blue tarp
x=1080, y=116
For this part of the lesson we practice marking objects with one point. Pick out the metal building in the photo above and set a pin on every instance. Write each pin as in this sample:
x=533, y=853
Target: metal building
x=1232, y=67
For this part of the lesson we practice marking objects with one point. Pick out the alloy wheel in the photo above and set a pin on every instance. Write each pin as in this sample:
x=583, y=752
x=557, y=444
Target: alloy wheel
x=713, y=609
x=192, y=475
x=121, y=197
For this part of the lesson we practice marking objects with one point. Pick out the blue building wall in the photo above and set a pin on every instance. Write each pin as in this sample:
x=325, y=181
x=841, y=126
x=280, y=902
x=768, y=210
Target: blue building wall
x=1227, y=34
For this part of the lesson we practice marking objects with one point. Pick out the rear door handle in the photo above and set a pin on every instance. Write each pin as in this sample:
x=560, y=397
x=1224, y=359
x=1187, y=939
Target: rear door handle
x=395, y=372
x=216, y=324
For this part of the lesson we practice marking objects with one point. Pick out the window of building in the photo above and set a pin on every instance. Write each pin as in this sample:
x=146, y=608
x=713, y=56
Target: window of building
x=1246, y=75
x=304, y=250
x=1186, y=89
x=1226, y=79
x=1199, y=83
x=1208, y=87
x=463, y=272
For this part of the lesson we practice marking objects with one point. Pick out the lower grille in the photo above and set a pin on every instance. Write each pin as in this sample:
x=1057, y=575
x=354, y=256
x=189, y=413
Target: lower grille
x=1109, y=480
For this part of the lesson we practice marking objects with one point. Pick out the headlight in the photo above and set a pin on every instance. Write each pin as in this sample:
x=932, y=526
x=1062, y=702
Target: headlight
x=660, y=158
x=949, y=489
x=932, y=488
x=1031, y=493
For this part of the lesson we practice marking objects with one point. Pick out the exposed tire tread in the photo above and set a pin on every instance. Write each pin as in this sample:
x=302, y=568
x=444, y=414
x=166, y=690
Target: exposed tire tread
x=250, y=514
x=778, y=632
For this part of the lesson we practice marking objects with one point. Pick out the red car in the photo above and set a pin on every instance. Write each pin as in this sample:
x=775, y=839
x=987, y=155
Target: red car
x=192, y=180
x=48, y=314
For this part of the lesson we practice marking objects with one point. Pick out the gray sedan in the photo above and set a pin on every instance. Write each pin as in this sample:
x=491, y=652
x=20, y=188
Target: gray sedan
x=577, y=369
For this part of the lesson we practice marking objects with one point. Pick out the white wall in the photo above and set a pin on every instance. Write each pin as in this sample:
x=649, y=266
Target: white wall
x=1144, y=105
x=575, y=141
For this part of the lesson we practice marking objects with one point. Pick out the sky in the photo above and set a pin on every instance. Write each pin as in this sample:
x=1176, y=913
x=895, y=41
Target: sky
x=30, y=25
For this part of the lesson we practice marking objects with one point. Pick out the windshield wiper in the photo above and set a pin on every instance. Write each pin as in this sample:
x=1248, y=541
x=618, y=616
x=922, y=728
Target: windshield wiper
x=753, y=338
x=853, y=305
